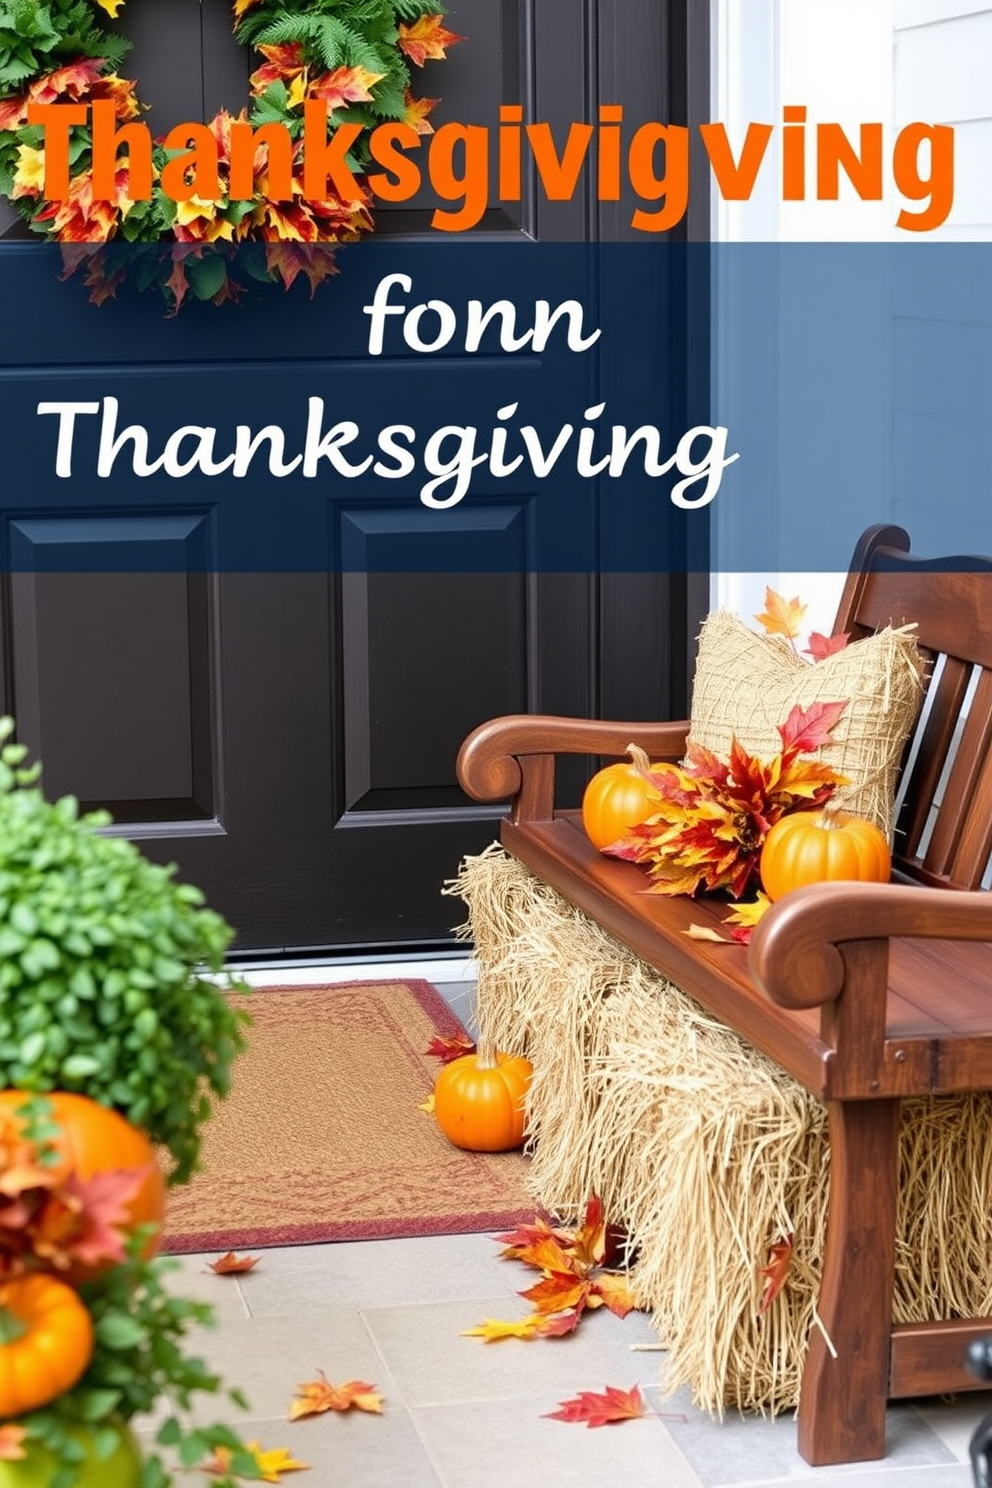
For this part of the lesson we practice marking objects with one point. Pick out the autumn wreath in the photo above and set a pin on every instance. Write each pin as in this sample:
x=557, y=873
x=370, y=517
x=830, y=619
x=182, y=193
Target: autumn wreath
x=354, y=55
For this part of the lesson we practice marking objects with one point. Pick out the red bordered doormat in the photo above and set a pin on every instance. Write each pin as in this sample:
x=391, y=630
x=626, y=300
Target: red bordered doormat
x=322, y=1137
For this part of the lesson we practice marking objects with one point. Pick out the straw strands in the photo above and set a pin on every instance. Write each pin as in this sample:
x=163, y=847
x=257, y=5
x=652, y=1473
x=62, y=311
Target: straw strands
x=702, y=1148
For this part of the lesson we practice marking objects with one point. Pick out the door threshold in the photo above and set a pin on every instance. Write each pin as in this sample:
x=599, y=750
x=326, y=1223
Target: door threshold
x=333, y=970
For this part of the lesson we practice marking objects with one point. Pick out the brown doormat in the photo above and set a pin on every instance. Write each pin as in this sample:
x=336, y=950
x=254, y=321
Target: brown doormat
x=321, y=1137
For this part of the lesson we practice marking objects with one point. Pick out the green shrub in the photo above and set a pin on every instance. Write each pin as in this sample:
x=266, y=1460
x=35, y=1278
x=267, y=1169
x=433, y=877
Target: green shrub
x=102, y=969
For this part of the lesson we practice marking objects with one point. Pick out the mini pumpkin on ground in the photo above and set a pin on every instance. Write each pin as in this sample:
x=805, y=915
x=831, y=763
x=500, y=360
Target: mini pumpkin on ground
x=479, y=1100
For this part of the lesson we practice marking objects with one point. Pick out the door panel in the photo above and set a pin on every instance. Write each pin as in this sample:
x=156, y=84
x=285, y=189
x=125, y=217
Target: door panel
x=285, y=727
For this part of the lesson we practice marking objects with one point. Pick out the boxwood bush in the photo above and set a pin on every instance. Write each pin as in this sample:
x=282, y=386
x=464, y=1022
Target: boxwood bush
x=103, y=969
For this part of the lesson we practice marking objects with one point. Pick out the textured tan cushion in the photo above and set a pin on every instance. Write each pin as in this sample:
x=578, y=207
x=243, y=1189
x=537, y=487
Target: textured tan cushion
x=746, y=684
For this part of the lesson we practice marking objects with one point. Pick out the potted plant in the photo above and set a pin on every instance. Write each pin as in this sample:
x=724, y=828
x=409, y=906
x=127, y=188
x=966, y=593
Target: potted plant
x=105, y=969
x=78, y=1362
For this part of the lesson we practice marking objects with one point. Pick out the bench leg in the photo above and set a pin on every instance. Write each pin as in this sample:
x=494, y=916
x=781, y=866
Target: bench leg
x=843, y=1399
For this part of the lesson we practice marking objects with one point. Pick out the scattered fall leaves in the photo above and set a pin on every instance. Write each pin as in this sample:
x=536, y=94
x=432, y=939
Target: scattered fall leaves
x=784, y=617
x=427, y=1105
x=572, y=1278
x=775, y=1273
x=743, y=918
x=601, y=1408
x=272, y=1463
x=319, y=1395
x=233, y=1265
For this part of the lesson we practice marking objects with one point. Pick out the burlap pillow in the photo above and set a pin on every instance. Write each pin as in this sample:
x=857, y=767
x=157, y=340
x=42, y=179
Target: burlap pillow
x=746, y=684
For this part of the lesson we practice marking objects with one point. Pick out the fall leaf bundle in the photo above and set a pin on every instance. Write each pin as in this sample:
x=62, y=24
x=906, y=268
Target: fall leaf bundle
x=712, y=816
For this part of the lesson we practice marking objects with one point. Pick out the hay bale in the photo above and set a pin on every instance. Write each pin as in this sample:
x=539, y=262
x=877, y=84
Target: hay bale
x=704, y=1149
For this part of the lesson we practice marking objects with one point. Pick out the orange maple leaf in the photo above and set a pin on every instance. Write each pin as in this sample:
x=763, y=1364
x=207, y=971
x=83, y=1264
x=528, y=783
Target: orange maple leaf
x=601, y=1408
x=86, y=1219
x=416, y=111
x=426, y=39
x=821, y=646
x=282, y=63
x=588, y=1244
x=12, y=1442
x=780, y=616
x=525, y=1236
x=562, y=1291
x=319, y=1395
x=344, y=85
x=548, y=1253
x=232, y=1265
x=453, y=1046
x=776, y=1272
x=612, y=1291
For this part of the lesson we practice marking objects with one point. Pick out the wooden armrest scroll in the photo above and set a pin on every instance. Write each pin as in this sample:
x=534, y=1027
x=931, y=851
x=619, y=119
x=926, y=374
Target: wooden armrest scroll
x=512, y=758
x=794, y=952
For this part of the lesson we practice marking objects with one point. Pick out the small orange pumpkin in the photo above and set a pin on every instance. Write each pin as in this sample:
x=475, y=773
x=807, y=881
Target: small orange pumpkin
x=617, y=798
x=46, y=1342
x=809, y=847
x=479, y=1100
x=94, y=1139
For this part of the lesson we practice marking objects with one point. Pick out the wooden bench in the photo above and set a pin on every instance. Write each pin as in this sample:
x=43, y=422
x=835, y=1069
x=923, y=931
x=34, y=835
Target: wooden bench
x=864, y=994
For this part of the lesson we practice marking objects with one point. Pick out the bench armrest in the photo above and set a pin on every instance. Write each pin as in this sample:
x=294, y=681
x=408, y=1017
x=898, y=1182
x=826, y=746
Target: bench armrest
x=827, y=946
x=512, y=758
x=794, y=952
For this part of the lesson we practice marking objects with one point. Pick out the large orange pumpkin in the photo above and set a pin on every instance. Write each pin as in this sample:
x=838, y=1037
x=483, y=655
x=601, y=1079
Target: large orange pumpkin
x=94, y=1139
x=809, y=847
x=479, y=1101
x=46, y=1342
x=617, y=798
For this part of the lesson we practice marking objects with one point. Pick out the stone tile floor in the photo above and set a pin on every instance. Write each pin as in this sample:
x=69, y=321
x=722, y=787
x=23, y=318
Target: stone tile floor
x=463, y=1414
x=459, y=1413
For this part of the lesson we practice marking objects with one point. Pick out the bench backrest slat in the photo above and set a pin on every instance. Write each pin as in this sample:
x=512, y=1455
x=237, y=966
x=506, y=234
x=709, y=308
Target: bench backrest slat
x=944, y=824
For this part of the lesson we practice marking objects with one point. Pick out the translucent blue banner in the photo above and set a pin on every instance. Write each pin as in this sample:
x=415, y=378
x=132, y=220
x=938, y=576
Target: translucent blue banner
x=446, y=405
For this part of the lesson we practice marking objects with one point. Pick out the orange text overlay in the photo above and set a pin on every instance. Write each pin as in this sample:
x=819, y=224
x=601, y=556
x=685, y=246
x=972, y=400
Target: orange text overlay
x=472, y=167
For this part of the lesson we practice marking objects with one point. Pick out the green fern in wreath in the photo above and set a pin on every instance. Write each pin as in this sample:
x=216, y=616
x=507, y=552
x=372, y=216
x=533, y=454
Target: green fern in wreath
x=357, y=55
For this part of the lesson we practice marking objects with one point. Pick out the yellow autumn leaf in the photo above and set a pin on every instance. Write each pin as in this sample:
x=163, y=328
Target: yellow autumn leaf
x=427, y=1105
x=240, y=7
x=112, y=7
x=297, y=91
x=29, y=178
x=272, y=1463
x=493, y=1329
x=751, y=913
x=780, y=616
